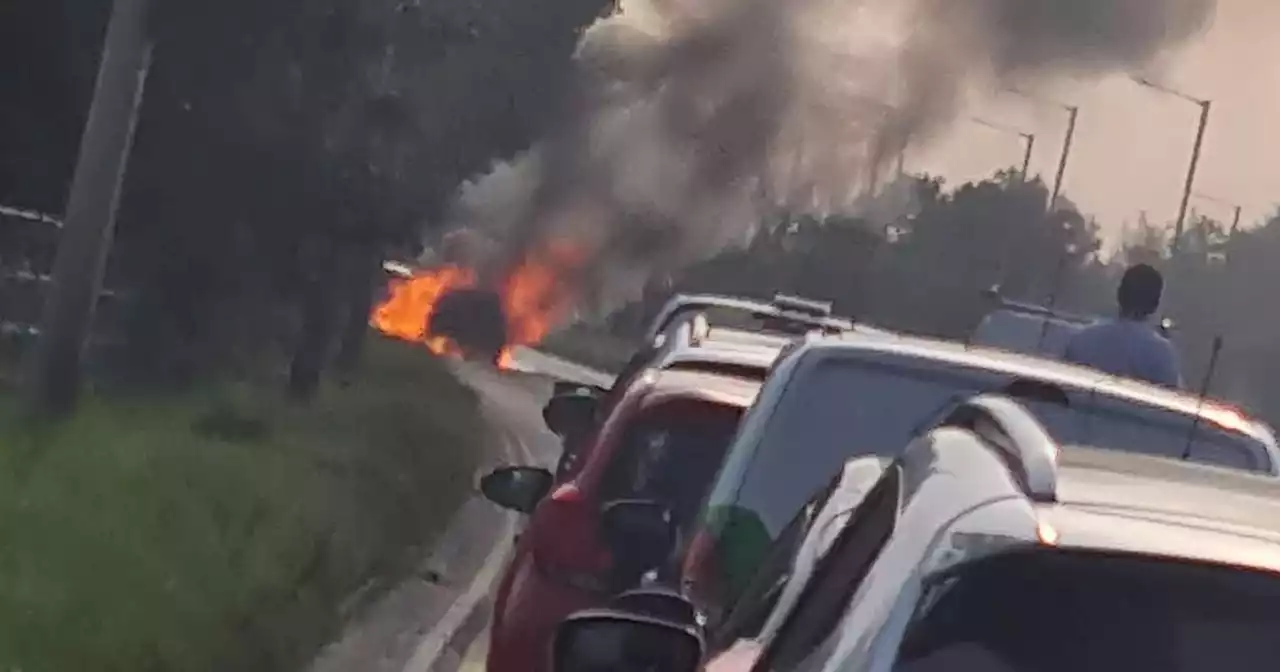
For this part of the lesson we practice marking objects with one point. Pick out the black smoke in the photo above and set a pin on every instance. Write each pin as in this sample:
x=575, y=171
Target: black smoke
x=690, y=122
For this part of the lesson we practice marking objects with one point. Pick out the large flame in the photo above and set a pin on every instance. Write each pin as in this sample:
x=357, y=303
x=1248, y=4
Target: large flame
x=534, y=298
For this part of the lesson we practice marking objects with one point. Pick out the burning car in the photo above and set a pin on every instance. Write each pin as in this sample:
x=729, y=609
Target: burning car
x=454, y=310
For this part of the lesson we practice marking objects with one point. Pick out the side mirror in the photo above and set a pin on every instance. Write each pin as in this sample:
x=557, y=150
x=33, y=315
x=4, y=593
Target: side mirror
x=606, y=641
x=517, y=488
x=641, y=528
x=571, y=412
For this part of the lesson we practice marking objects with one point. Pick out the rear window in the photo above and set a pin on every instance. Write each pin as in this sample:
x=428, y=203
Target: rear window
x=1057, y=611
x=840, y=409
x=670, y=453
x=1107, y=423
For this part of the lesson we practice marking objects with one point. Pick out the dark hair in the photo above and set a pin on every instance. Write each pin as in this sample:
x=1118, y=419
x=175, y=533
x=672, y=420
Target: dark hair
x=1140, y=290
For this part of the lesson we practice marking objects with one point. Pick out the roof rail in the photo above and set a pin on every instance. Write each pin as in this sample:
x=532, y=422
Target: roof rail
x=1020, y=439
x=1026, y=308
x=799, y=304
x=688, y=333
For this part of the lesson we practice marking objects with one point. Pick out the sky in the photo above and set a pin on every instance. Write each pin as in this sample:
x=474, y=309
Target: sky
x=1133, y=145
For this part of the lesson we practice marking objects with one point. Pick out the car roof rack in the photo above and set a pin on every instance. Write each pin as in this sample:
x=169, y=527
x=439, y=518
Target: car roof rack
x=799, y=304
x=1026, y=308
x=1014, y=433
x=800, y=311
x=688, y=333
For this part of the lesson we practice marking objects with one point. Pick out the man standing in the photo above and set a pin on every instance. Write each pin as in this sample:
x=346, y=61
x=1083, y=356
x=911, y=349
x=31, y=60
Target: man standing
x=1130, y=346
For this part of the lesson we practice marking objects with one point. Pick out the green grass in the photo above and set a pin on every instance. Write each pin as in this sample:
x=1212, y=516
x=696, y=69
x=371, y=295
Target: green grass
x=222, y=529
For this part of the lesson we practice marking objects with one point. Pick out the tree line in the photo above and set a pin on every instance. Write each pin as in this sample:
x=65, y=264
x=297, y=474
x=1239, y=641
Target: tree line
x=284, y=149
x=926, y=273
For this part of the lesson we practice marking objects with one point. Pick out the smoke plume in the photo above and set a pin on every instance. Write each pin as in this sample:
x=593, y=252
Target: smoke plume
x=691, y=121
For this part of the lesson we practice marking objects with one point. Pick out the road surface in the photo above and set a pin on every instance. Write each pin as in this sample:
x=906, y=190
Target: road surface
x=534, y=362
x=426, y=623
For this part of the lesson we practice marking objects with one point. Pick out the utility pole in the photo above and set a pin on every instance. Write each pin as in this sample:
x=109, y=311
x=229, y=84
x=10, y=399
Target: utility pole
x=54, y=369
x=1191, y=176
x=1072, y=112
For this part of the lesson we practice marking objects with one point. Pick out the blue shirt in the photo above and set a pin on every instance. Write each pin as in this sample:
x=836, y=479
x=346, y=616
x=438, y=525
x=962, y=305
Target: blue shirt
x=1127, y=348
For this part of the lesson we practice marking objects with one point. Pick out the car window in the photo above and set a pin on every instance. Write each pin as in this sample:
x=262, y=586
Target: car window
x=761, y=594
x=1107, y=423
x=841, y=408
x=670, y=452
x=1061, y=611
x=825, y=597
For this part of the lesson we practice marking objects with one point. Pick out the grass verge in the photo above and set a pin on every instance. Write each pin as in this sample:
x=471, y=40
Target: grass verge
x=221, y=530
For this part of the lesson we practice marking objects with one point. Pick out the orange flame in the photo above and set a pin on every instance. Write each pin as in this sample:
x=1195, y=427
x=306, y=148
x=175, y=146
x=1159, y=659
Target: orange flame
x=535, y=295
x=534, y=298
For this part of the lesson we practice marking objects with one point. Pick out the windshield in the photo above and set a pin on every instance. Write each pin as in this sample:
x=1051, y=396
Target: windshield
x=847, y=408
x=1053, y=611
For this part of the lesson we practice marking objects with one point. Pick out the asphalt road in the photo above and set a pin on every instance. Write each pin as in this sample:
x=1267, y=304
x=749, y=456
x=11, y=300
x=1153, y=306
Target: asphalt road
x=414, y=627
x=539, y=364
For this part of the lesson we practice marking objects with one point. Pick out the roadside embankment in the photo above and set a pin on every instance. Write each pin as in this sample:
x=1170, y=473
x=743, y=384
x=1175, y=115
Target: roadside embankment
x=223, y=529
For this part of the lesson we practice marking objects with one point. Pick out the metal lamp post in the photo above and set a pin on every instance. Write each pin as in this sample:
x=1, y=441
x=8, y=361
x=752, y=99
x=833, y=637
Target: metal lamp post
x=1073, y=113
x=1205, y=106
x=1028, y=140
x=1236, y=208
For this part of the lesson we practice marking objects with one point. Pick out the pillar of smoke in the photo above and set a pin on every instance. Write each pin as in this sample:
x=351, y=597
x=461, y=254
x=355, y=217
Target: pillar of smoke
x=692, y=121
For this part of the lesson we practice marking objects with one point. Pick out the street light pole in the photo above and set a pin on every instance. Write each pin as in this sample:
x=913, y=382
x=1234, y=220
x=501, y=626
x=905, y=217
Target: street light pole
x=1073, y=112
x=1026, y=157
x=1205, y=106
x=1236, y=209
x=54, y=369
x=1029, y=140
x=1191, y=176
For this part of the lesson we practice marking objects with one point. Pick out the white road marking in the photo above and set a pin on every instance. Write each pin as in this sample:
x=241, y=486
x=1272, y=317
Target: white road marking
x=432, y=646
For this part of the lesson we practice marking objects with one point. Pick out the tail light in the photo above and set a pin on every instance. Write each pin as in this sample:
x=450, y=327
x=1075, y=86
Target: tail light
x=567, y=546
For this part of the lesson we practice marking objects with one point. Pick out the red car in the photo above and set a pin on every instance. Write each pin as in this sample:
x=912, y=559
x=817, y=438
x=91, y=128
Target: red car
x=619, y=515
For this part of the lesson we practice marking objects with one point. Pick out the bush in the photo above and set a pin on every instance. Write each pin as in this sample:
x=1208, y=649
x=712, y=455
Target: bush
x=222, y=529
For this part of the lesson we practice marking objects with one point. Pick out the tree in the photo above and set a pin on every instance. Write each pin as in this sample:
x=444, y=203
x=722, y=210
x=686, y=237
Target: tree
x=286, y=145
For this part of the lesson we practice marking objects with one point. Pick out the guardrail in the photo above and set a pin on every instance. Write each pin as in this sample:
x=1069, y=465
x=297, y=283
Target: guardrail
x=28, y=243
